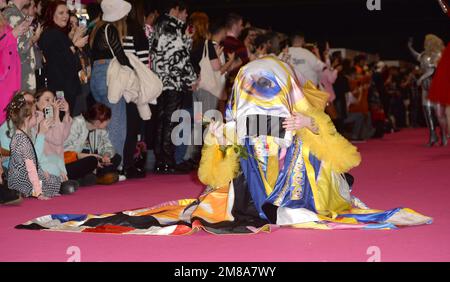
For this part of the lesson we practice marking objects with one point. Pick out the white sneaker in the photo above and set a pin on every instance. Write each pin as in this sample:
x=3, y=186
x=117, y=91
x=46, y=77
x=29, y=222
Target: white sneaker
x=122, y=177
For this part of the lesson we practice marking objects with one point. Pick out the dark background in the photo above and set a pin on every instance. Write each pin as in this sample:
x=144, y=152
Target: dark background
x=344, y=23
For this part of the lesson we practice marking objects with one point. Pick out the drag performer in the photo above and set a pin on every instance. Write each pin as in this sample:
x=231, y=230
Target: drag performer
x=440, y=86
x=261, y=175
x=429, y=59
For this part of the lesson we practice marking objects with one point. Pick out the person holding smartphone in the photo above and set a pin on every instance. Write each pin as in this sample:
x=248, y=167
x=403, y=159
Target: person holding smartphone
x=90, y=141
x=78, y=29
x=60, y=51
x=15, y=17
x=51, y=158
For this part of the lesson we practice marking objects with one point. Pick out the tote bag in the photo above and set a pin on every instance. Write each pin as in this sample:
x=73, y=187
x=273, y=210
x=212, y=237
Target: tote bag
x=210, y=80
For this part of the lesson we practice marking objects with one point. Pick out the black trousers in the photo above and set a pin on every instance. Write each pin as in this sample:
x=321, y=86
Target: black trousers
x=149, y=129
x=164, y=149
x=115, y=162
x=81, y=168
x=134, y=122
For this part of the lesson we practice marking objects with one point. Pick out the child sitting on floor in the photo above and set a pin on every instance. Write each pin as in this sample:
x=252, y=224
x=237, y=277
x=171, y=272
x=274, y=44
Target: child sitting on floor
x=24, y=173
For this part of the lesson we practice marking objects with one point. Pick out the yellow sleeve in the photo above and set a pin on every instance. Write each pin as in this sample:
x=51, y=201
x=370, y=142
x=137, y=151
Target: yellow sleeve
x=328, y=145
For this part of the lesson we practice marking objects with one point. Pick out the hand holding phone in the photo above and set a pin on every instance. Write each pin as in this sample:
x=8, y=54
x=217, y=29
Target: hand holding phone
x=106, y=160
x=83, y=21
x=45, y=125
x=59, y=95
x=48, y=112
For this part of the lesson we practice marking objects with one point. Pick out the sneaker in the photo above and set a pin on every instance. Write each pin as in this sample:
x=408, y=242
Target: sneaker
x=122, y=177
x=108, y=178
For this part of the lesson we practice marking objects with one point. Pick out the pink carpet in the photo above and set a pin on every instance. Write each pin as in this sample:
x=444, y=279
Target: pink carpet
x=396, y=172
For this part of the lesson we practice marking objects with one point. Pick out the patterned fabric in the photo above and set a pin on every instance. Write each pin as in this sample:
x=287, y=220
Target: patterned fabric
x=129, y=47
x=150, y=34
x=18, y=176
x=170, y=54
x=227, y=210
x=294, y=180
x=26, y=51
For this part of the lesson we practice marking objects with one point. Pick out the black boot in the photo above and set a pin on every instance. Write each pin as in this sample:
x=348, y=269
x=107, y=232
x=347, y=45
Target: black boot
x=429, y=118
x=444, y=138
x=9, y=197
x=184, y=167
x=134, y=172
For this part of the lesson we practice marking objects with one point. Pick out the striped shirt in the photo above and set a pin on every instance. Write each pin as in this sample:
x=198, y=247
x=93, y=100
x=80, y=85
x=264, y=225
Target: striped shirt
x=140, y=49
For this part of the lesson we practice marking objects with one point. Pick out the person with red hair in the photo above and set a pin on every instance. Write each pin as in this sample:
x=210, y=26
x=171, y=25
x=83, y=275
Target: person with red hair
x=94, y=151
x=60, y=51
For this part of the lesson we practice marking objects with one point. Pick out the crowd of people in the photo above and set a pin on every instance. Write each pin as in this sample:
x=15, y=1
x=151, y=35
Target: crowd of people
x=63, y=126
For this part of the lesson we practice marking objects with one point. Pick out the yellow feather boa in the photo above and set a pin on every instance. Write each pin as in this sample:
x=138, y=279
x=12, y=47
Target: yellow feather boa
x=328, y=145
x=216, y=168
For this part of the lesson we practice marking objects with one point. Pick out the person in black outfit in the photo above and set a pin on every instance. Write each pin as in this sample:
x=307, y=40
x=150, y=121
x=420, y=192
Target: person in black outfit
x=136, y=43
x=170, y=55
x=62, y=63
x=341, y=88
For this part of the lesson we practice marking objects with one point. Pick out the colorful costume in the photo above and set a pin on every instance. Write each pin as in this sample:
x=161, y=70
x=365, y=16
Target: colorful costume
x=259, y=179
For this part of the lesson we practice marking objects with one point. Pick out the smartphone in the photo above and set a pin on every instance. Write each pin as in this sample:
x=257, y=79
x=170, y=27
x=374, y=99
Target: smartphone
x=59, y=95
x=83, y=21
x=48, y=112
